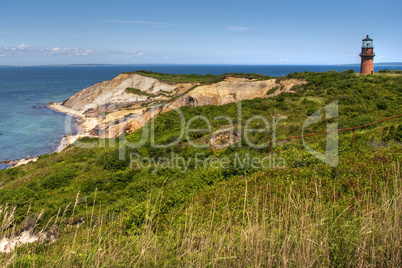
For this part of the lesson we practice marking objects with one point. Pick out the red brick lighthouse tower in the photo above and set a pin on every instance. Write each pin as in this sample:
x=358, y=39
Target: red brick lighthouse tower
x=367, y=55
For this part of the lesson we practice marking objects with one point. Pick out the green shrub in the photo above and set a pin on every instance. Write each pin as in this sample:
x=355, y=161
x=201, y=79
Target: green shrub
x=139, y=92
x=382, y=105
x=59, y=179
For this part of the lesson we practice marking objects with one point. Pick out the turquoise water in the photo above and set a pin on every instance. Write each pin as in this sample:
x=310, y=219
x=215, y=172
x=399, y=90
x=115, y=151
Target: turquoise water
x=28, y=128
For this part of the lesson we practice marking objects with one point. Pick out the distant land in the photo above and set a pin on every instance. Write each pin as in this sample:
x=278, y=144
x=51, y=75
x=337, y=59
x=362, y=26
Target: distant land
x=375, y=63
x=166, y=64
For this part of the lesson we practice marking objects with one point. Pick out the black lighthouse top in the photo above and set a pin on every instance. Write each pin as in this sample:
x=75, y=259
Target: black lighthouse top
x=367, y=42
x=367, y=38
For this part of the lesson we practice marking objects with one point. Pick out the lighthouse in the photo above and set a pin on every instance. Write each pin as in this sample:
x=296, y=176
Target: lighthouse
x=367, y=55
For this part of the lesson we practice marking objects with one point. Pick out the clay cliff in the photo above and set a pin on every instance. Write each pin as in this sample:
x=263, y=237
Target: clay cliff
x=114, y=93
x=128, y=101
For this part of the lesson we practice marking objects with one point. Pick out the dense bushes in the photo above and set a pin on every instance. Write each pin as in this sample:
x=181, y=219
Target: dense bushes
x=59, y=179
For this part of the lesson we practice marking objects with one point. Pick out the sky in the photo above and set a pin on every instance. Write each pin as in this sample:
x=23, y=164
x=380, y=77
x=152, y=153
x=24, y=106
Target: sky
x=266, y=32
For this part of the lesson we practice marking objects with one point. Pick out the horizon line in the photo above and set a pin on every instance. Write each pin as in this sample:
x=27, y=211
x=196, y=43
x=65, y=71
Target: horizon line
x=178, y=64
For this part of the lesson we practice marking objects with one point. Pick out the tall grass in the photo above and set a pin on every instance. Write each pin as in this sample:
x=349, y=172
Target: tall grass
x=250, y=226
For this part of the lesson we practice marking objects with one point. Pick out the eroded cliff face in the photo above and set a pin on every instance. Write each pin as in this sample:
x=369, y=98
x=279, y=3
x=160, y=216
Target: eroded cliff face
x=114, y=93
x=108, y=109
x=231, y=90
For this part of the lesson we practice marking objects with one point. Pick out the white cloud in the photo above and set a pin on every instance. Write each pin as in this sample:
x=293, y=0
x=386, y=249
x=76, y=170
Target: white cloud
x=19, y=47
x=286, y=60
x=26, y=50
x=17, y=50
x=23, y=46
x=238, y=29
x=67, y=51
x=130, y=51
x=381, y=57
x=120, y=53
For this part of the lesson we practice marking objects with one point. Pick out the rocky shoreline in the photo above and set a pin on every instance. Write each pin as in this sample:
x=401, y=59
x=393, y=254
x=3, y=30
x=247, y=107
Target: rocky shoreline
x=65, y=141
x=18, y=162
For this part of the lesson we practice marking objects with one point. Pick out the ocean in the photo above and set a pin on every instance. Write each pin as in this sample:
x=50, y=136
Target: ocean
x=28, y=128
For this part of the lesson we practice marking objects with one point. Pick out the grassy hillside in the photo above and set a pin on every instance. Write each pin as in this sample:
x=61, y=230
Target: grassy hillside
x=295, y=212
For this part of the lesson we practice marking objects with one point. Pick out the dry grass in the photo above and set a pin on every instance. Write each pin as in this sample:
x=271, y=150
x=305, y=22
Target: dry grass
x=262, y=229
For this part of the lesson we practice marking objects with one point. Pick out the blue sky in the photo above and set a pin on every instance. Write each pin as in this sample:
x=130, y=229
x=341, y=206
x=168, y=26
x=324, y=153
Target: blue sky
x=197, y=32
